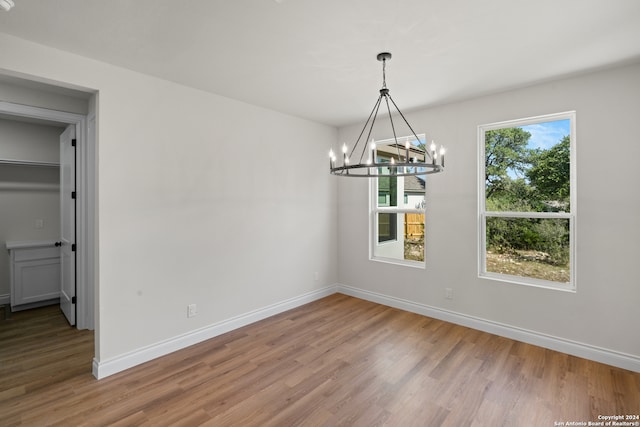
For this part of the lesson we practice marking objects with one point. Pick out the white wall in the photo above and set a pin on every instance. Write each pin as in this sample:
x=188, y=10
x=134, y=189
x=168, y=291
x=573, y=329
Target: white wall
x=604, y=310
x=27, y=193
x=174, y=164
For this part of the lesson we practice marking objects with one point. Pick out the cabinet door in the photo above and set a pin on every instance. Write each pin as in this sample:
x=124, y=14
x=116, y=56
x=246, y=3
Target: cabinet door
x=36, y=280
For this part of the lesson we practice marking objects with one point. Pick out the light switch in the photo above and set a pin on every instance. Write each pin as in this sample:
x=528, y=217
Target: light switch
x=39, y=223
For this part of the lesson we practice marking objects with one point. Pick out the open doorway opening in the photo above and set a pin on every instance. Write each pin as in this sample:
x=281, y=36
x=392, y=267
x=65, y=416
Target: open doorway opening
x=70, y=111
x=29, y=214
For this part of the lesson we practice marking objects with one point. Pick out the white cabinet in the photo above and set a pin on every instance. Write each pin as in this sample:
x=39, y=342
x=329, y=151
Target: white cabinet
x=35, y=274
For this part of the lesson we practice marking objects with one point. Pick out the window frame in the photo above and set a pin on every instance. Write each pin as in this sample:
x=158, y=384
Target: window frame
x=483, y=214
x=374, y=210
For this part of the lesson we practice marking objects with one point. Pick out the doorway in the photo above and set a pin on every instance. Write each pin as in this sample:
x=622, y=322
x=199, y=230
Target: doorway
x=85, y=203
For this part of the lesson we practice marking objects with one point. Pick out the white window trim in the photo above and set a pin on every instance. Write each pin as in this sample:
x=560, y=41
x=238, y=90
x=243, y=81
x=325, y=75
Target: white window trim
x=483, y=214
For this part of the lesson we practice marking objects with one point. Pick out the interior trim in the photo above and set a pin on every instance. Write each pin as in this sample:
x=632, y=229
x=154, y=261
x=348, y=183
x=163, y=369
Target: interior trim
x=574, y=348
x=105, y=368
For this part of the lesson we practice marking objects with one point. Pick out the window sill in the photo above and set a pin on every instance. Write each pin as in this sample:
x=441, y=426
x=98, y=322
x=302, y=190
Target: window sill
x=405, y=263
x=523, y=281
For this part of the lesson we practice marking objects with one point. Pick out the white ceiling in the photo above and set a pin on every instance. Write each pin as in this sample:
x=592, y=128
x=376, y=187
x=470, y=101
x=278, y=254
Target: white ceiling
x=316, y=58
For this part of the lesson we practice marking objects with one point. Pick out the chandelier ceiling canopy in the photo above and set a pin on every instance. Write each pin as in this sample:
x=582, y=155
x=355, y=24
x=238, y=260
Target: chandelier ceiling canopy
x=6, y=5
x=408, y=157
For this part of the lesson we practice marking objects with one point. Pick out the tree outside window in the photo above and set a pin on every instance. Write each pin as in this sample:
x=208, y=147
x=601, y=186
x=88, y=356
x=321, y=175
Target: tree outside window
x=526, y=212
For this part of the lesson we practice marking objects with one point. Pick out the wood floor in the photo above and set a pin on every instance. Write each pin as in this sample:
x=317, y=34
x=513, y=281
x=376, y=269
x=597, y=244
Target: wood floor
x=337, y=361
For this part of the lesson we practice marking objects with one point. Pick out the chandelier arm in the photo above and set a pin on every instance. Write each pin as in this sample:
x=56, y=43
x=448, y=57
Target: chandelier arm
x=374, y=110
x=426, y=152
x=393, y=128
x=377, y=107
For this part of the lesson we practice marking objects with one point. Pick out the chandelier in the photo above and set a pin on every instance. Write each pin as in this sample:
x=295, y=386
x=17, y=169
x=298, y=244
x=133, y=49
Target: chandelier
x=399, y=159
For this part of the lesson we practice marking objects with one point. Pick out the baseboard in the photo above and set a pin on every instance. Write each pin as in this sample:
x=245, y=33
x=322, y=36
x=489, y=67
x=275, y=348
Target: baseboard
x=586, y=351
x=105, y=368
x=5, y=299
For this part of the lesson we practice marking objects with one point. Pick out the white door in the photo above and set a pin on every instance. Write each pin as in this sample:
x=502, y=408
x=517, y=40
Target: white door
x=68, y=223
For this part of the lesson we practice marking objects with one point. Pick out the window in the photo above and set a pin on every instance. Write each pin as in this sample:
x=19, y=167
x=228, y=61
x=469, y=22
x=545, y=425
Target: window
x=526, y=199
x=398, y=208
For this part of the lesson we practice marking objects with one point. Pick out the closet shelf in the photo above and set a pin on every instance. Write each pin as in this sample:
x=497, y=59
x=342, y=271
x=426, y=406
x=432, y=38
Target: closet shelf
x=29, y=186
x=29, y=163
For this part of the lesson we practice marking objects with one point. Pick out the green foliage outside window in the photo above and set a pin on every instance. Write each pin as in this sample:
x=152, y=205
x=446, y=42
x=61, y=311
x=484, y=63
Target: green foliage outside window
x=522, y=179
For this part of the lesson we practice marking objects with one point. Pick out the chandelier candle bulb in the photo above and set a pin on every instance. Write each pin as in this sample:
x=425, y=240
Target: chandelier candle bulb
x=407, y=158
x=442, y=150
x=433, y=152
x=373, y=151
x=345, y=159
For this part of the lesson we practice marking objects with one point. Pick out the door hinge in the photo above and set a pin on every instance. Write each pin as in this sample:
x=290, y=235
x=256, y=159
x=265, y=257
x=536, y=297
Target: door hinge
x=73, y=299
x=73, y=247
x=73, y=142
x=73, y=194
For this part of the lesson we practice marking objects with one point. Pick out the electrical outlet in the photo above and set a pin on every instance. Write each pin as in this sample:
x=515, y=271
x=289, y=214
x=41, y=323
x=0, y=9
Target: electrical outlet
x=39, y=223
x=448, y=293
x=192, y=310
